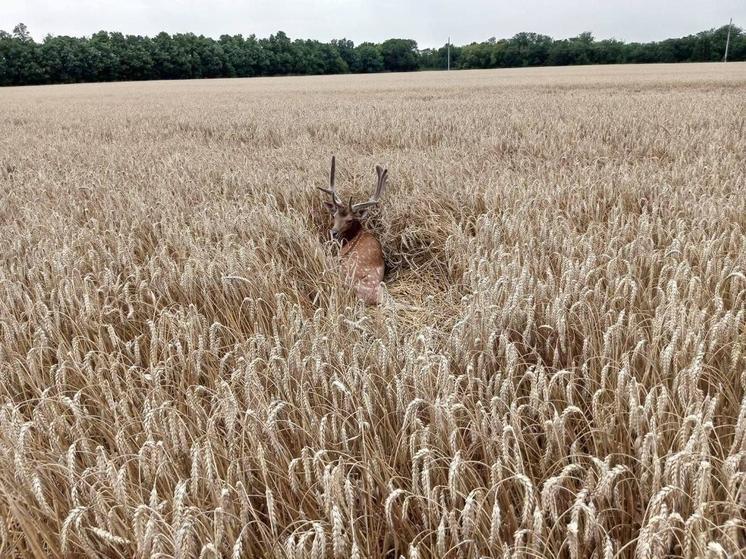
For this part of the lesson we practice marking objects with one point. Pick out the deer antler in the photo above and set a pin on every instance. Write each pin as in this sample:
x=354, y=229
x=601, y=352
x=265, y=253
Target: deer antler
x=331, y=191
x=383, y=174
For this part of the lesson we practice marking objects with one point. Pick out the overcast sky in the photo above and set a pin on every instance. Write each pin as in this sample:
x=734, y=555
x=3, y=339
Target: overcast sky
x=429, y=22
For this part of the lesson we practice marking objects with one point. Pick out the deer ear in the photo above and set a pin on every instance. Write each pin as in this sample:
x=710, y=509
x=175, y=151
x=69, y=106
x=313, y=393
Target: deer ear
x=331, y=207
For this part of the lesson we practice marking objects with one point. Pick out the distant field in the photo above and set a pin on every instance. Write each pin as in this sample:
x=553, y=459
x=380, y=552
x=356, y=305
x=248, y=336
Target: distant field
x=558, y=369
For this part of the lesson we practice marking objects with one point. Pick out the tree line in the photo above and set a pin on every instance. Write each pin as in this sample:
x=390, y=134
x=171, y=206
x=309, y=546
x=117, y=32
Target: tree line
x=106, y=56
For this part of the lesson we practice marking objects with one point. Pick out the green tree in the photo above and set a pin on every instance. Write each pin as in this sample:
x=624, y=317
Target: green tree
x=477, y=55
x=609, y=51
x=332, y=59
x=346, y=50
x=23, y=61
x=737, y=49
x=281, y=54
x=399, y=55
x=243, y=57
x=103, y=59
x=65, y=59
x=5, y=44
x=21, y=33
x=368, y=58
x=212, y=58
x=307, y=58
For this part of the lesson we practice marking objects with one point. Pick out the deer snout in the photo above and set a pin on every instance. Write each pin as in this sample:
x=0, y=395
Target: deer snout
x=334, y=234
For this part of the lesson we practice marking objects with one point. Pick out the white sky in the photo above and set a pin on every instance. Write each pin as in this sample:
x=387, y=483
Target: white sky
x=429, y=22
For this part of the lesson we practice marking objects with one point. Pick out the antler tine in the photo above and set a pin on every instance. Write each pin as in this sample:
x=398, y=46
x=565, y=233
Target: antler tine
x=332, y=174
x=332, y=191
x=380, y=185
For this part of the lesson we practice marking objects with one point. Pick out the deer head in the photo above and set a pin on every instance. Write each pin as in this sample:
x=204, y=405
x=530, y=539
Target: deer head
x=347, y=216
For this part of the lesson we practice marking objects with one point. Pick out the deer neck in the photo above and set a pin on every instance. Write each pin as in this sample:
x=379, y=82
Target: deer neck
x=352, y=232
x=352, y=236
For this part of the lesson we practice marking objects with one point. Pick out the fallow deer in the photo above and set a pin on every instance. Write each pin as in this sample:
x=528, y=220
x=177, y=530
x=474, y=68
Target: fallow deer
x=360, y=254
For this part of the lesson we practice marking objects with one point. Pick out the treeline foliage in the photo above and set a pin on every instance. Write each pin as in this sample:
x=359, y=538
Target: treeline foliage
x=532, y=49
x=113, y=56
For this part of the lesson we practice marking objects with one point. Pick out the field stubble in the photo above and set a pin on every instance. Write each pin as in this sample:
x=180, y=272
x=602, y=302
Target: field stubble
x=559, y=368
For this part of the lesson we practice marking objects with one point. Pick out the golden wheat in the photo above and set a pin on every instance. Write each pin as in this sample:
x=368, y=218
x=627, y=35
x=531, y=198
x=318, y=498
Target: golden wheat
x=557, y=369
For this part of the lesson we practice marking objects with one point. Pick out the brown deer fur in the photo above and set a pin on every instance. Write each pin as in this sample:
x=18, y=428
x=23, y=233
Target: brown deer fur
x=361, y=256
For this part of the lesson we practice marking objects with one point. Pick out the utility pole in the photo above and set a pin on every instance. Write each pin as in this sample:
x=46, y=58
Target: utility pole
x=727, y=40
x=449, y=51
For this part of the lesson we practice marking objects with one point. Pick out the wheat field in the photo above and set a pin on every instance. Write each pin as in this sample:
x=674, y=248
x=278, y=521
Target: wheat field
x=558, y=368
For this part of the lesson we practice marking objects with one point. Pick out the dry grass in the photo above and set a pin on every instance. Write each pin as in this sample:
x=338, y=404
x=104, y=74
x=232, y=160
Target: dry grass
x=559, y=371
